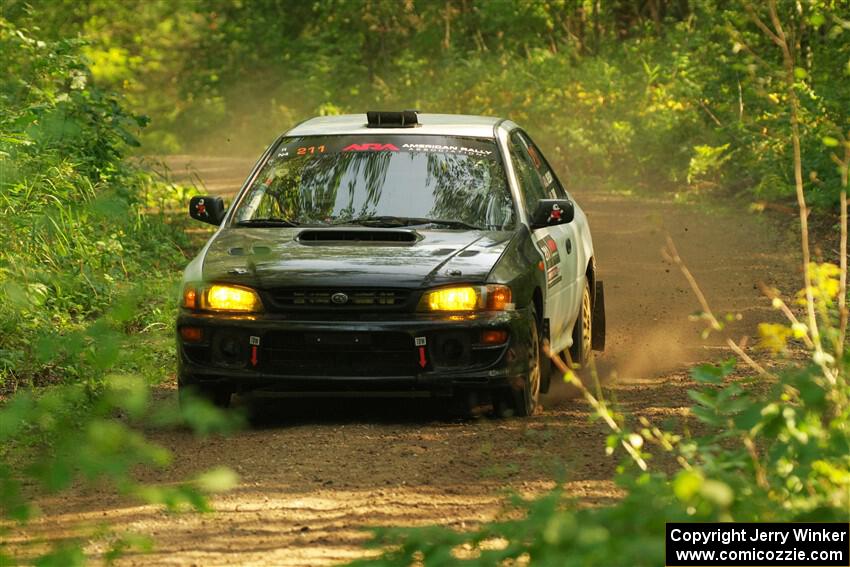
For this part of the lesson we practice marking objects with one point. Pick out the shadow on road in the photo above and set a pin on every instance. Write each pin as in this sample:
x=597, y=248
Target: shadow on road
x=273, y=412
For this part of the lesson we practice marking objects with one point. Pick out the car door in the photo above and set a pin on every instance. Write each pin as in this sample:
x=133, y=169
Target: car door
x=573, y=263
x=556, y=243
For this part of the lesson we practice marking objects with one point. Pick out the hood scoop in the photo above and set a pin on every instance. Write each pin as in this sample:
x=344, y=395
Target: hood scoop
x=357, y=236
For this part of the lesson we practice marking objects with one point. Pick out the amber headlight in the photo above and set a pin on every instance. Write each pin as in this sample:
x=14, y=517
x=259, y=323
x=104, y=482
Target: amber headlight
x=467, y=298
x=219, y=297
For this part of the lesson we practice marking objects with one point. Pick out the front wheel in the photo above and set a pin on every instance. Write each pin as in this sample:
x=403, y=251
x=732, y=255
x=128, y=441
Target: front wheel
x=526, y=395
x=217, y=396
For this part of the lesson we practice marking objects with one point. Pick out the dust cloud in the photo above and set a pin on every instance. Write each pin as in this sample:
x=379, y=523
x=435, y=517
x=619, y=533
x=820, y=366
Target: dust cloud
x=651, y=322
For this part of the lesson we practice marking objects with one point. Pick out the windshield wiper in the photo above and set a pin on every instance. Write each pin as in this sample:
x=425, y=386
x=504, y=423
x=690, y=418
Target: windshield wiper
x=383, y=221
x=448, y=222
x=390, y=221
x=267, y=222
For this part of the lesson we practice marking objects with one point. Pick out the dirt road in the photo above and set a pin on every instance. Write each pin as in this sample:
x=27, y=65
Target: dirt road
x=318, y=474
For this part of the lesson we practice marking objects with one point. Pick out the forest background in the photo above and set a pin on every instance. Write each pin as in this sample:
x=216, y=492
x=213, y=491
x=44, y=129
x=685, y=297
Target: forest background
x=685, y=96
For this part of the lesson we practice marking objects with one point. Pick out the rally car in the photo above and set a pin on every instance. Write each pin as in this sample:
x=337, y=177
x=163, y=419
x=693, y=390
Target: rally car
x=391, y=254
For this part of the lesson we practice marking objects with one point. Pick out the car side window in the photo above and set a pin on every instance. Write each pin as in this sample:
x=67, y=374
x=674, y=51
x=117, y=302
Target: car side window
x=529, y=180
x=551, y=186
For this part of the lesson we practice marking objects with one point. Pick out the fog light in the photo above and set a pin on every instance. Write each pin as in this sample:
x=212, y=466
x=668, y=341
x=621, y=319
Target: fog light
x=191, y=334
x=230, y=348
x=494, y=337
x=452, y=350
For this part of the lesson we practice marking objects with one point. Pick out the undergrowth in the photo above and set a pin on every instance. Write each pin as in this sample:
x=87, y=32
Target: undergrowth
x=88, y=262
x=81, y=227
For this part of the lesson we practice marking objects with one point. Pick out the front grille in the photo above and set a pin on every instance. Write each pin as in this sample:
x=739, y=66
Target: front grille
x=367, y=354
x=334, y=298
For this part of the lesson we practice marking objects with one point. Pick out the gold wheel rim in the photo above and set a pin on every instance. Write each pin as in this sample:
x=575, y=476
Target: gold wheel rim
x=586, y=325
x=534, y=373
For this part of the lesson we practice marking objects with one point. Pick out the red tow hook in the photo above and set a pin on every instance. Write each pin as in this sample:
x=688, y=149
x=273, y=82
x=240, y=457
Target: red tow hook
x=255, y=344
x=420, y=342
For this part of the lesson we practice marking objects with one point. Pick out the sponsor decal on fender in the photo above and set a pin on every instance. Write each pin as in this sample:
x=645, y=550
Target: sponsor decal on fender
x=551, y=259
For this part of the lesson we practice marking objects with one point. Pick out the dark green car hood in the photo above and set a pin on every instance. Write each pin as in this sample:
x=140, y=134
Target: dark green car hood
x=281, y=257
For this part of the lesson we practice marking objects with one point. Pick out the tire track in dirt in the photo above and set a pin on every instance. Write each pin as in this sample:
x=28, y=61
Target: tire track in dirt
x=320, y=473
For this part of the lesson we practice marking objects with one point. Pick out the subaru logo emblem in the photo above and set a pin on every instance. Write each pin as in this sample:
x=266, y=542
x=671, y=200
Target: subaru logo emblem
x=339, y=298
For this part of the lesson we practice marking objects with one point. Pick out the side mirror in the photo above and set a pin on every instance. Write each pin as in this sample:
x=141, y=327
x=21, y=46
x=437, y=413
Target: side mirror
x=551, y=212
x=207, y=209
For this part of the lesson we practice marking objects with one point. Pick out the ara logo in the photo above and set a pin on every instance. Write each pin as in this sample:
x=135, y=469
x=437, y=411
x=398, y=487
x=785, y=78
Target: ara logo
x=370, y=148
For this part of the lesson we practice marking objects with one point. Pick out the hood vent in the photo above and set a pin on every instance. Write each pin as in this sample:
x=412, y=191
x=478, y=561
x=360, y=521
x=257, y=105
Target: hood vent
x=349, y=236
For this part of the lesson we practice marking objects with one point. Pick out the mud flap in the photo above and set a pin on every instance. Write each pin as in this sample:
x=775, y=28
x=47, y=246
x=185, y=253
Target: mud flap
x=598, y=338
x=546, y=371
x=546, y=366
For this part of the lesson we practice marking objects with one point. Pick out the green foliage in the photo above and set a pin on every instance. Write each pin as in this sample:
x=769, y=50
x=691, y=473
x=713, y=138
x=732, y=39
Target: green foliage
x=551, y=532
x=707, y=162
x=87, y=431
x=650, y=94
x=77, y=219
x=87, y=264
x=631, y=94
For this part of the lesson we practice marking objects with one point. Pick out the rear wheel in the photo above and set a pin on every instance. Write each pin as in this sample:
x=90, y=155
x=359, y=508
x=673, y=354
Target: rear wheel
x=583, y=330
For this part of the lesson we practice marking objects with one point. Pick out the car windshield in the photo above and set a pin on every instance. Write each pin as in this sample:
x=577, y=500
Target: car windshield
x=454, y=183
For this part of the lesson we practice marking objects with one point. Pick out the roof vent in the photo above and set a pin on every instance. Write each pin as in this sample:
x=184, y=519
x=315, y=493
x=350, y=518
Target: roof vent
x=387, y=119
x=383, y=236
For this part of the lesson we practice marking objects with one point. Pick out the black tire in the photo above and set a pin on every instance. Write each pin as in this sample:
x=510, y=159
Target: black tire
x=216, y=395
x=526, y=395
x=463, y=403
x=582, y=347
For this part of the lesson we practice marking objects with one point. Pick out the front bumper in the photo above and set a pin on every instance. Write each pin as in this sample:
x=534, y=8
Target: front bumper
x=398, y=353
